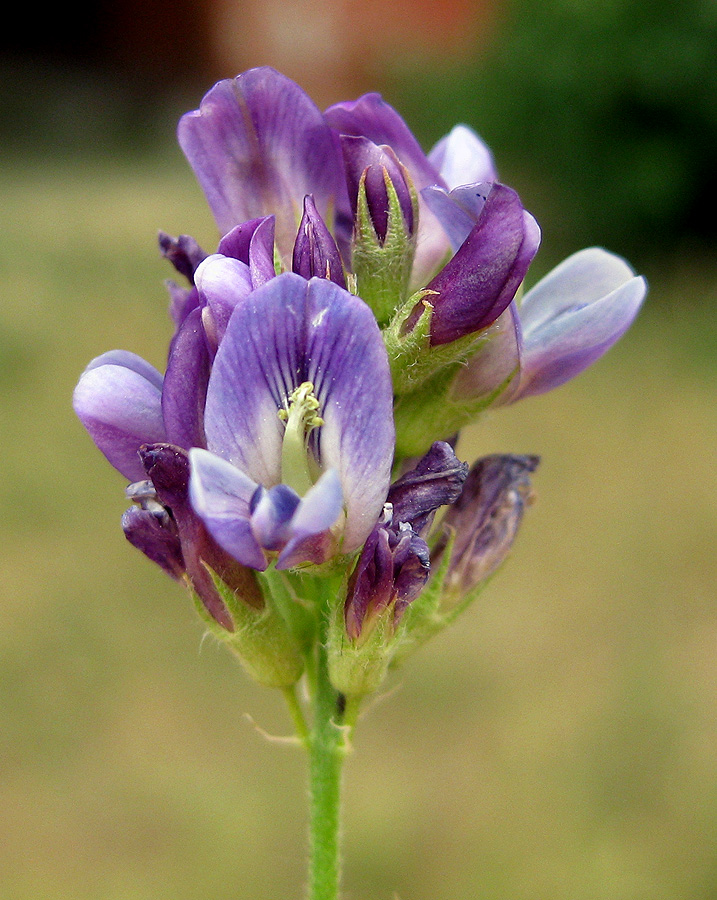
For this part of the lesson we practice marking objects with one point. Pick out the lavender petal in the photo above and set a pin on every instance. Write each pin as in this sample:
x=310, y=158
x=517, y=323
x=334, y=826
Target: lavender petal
x=574, y=315
x=221, y=494
x=258, y=145
x=481, y=280
x=120, y=406
x=462, y=158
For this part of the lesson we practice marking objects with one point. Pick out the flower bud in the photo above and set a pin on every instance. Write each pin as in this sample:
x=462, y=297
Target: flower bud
x=385, y=218
x=485, y=520
x=315, y=250
x=391, y=572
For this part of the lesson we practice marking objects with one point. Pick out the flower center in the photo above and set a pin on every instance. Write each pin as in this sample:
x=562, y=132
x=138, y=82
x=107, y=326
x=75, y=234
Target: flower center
x=301, y=417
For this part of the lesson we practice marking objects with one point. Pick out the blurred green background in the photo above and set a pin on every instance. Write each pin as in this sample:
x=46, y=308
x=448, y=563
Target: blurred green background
x=560, y=742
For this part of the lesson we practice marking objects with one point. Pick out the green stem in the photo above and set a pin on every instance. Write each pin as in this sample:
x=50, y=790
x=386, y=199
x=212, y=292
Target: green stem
x=326, y=754
x=297, y=715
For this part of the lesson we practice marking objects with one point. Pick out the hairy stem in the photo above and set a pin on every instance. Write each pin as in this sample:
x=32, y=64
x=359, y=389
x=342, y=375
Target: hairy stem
x=327, y=749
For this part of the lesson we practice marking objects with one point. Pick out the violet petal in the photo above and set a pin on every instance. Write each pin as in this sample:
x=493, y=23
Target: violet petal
x=258, y=145
x=457, y=210
x=481, y=280
x=120, y=406
x=315, y=250
x=223, y=282
x=318, y=510
x=221, y=494
x=185, y=384
x=574, y=315
x=271, y=514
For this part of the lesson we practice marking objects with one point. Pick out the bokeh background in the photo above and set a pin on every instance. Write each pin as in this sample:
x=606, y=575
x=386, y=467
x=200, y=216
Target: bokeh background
x=560, y=743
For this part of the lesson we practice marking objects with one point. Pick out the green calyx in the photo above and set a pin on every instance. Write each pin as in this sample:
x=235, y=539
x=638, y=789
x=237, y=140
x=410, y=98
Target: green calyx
x=264, y=642
x=301, y=417
x=424, y=377
x=382, y=268
x=357, y=668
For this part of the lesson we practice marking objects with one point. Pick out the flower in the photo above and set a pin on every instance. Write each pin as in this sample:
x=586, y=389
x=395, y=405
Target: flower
x=395, y=561
x=567, y=321
x=298, y=422
x=363, y=304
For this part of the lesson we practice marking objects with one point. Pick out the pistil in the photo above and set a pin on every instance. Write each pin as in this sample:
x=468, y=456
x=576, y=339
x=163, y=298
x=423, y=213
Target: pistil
x=301, y=417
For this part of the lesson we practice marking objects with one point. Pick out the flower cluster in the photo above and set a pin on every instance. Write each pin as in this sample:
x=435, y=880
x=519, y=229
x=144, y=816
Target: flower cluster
x=363, y=304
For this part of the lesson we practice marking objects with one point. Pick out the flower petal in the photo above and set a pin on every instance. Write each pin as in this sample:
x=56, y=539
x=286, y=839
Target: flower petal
x=258, y=145
x=271, y=514
x=457, y=210
x=318, y=510
x=222, y=282
x=221, y=495
x=288, y=332
x=574, y=315
x=119, y=403
x=185, y=384
x=481, y=280
x=461, y=157
x=494, y=362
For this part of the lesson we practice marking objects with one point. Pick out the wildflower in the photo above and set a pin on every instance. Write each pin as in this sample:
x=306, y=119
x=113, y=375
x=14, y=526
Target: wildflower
x=298, y=423
x=563, y=324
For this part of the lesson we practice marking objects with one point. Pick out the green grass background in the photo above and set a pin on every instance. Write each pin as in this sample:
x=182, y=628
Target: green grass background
x=559, y=743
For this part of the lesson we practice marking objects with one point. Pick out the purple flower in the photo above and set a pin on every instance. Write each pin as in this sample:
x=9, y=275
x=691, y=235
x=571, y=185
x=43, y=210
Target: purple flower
x=395, y=563
x=564, y=324
x=484, y=520
x=298, y=423
x=258, y=146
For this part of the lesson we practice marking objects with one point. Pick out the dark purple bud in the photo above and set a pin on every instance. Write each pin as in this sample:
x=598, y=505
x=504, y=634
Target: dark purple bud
x=391, y=572
x=480, y=281
x=485, y=518
x=253, y=244
x=183, y=252
x=436, y=480
x=315, y=250
x=156, y=536
x=369, y=167
x=394, y=564
x=167, y=466
x=184, y=392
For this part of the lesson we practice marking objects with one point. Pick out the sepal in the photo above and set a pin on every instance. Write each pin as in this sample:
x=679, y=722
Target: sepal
x=382, y=254
x=262, y=640
x=412, y=359
x=357, y=668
